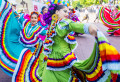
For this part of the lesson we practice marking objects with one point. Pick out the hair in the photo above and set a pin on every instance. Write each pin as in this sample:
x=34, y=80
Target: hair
x=76, y=8
x=43, y=7
x=117, y=6
x=36, y=13
x=51, y=10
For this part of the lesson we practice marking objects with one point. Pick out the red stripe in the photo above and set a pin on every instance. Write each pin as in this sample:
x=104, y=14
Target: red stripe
x=33, y=66
x=61, y=63
x=97, y=75
x=110, y=57
x=20, y=72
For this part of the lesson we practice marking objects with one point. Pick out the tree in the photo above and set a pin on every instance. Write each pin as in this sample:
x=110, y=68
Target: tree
x=96, y=1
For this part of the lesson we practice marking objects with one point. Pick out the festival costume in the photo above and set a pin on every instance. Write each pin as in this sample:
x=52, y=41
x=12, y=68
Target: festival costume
x=112, y=21
x=14, y=42
x=62, y=64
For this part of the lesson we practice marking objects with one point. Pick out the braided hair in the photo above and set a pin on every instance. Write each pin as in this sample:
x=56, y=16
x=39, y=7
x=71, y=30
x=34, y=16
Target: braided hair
x=51, y=10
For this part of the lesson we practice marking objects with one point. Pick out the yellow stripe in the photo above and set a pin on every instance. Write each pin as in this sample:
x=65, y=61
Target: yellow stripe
x=55, y=1
x=66, y=59
x=22, y=72
x=96, y=71
x=33, y=72
x=6, y=67
x=74, y=79
x=4, y=39
x=109, y=49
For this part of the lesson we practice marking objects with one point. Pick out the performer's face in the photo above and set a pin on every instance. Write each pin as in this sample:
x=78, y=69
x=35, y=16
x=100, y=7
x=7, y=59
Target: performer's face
x=62, y=13
x=34, y=19
x=45, y=10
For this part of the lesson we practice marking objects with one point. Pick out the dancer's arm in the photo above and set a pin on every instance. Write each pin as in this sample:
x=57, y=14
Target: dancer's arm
x=83, y=28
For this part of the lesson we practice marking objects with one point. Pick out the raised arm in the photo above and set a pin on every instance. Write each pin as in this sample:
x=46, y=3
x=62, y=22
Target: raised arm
x=83, y=28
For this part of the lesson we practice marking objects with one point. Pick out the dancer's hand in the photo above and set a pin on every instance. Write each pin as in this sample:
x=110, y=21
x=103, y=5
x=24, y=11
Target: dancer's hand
x=93, y=30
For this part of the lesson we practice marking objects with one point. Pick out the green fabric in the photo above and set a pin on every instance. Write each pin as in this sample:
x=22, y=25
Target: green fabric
x=77, y=27
x=59, y=49
x=60, y=46
x=86, y=64
x=42, y=65
x=56, y=76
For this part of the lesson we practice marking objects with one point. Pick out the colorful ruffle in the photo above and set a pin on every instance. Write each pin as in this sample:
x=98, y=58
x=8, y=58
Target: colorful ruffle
x=48, y=42
x=61, y=64
x=107, y=20
x=70, y=39
x=106, y=63
x=33, y=38
x=27, y=66
x=108, y=60
x=115, y=32
x=7, y=60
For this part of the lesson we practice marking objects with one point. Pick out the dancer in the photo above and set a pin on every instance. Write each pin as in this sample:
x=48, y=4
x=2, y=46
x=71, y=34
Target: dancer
x=97, y=14
x=41, y=22
x=17, y=38
x=86, y=17
x=111, y=20
x=62, y=65
x=44, y=10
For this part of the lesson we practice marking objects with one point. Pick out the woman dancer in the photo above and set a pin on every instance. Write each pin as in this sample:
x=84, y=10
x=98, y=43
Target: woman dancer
x=111, y=20
x=62, y=64
x=41, y=22
x=17, y=38
x=44, y=10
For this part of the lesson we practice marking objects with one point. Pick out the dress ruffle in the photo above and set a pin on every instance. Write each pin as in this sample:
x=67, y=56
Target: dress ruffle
x=8, y=58
x=61, y=64
x=27, y=67
x=31, y=40
x=107, y=20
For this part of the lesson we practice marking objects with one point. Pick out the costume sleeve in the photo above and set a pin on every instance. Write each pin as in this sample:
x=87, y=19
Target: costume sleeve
x=79, y=27
x=21, y=19
x=16, y=14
